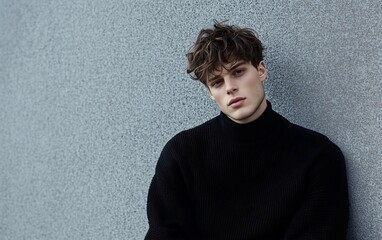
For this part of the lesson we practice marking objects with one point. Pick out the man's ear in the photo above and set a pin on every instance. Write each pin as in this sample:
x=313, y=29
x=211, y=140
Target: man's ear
x=262, y=69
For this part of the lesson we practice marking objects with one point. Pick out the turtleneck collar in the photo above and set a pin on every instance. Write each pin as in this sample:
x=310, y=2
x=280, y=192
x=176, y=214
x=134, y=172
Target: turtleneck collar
x=252, y=131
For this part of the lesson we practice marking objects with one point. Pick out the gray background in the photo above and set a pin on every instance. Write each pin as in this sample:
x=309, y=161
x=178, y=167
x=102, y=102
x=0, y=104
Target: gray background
x=90, y=91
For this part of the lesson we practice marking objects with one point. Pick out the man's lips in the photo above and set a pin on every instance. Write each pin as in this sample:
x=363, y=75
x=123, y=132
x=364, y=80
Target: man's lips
x=234, y=100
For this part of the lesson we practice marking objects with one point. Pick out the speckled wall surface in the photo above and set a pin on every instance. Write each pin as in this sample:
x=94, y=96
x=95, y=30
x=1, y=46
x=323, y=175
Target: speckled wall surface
x=90, y=91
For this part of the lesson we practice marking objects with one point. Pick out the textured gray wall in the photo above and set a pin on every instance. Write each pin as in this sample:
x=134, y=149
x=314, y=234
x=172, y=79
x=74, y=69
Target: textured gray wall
x=90, y=91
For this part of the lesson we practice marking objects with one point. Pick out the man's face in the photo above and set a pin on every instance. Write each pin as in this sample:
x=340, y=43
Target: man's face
x=238, y=90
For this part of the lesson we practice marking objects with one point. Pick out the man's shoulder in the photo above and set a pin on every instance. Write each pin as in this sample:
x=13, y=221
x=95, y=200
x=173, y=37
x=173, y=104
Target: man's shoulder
x=309, y=138
x=304, y=132
x=195, y=135
x=199, y=130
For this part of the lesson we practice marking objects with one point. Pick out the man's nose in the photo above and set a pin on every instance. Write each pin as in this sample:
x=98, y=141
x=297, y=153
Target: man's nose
x=230, y=85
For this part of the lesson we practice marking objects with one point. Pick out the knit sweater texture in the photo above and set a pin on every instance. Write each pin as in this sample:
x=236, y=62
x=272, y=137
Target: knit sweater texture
x=267, y=179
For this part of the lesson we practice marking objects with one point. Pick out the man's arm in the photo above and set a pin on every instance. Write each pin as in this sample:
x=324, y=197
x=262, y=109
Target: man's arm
x=324, y=212
x=168, y=204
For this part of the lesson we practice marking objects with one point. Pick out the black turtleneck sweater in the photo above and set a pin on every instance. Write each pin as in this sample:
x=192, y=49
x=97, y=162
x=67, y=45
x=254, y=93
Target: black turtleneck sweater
x=268, y=179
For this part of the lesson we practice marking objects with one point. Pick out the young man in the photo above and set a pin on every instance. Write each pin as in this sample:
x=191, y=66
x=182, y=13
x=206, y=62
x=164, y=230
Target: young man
x=248, y=173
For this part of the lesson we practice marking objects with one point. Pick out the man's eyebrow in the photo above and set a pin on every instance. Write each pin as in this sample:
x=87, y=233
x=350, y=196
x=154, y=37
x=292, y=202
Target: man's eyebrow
x=236, y=65
x=214, y=78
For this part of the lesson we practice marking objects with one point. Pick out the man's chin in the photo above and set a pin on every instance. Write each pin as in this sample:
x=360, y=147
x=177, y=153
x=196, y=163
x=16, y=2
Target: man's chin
x=240, y=118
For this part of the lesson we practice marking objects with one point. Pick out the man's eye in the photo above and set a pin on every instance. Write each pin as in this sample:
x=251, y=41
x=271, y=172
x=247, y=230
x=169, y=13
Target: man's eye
x=239, y=72
x=216, y=83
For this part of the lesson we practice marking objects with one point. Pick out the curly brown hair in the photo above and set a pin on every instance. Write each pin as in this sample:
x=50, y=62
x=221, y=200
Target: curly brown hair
x=221, y=45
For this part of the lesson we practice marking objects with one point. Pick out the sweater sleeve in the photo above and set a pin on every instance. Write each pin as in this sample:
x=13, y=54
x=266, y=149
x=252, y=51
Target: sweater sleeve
x=168, y=204
x=324, y=211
